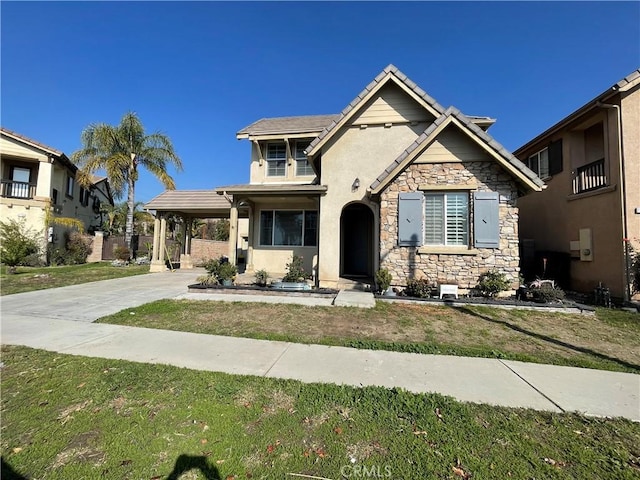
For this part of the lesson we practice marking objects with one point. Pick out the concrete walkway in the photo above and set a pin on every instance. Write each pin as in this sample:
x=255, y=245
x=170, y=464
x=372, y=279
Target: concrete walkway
x=60, y=320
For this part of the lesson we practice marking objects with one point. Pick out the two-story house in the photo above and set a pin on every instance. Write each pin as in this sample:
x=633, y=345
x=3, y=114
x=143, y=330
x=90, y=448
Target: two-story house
x=394, y=181
x=38, y=184
x=588, y=217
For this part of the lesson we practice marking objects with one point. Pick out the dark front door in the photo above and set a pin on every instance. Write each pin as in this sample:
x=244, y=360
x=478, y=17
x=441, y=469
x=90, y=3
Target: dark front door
x=356, y=241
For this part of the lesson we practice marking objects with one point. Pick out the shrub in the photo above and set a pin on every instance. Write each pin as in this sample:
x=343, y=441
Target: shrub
x=122, y=253
x=418, y=288
x=207, y=280
x=78, y=249
x=383, y=280
x=492, y=282
x=220, y=269
x=261, y=277
x=18, y=243
x=547, y=293
x=295, y=270
x=227, y=271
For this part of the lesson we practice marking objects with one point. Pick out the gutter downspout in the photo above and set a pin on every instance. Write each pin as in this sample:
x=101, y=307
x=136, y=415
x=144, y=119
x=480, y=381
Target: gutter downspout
x=623, y=201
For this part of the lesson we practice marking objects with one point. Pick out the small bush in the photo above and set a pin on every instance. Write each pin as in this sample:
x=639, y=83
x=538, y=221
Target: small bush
x=295, y=270
x=547, y=293
x=78, y=249
x=418, y=288
x=383, y=280
x=492, y=282
x=207, y=280
x=17, y=243
x=261, y=277
x=220, y=269
x=122, y=253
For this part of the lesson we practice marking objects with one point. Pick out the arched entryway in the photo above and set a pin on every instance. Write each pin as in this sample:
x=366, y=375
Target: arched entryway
x=356, y=241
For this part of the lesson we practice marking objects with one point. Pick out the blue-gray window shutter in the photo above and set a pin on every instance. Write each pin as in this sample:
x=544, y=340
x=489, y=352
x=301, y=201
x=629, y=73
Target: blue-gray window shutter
x=410, y=214
x=486, y=219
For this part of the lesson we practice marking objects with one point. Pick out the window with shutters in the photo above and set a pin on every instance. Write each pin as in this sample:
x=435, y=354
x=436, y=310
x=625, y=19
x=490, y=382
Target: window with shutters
x=446, y=219
x=539, y=163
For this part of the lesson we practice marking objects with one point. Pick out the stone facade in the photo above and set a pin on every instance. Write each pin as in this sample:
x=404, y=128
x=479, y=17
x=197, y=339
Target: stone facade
x=464, y=268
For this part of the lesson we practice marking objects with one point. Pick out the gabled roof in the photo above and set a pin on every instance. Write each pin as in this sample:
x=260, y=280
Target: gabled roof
x=312, y=124
x=466, y=125
x=627, y=82
x=39, y=146
x=389, y=74
x=31, y=142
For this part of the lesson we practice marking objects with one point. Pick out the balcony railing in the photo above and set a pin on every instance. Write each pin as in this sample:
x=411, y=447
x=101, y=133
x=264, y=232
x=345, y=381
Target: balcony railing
x=590, y=177
x=11, y=189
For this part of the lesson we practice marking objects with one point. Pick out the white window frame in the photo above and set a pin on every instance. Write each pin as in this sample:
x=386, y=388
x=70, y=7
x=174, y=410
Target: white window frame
x=270, y=162
x=68, y=188
x=539, y=163
x=446, y=219
x=273, y=229
x=302, y=159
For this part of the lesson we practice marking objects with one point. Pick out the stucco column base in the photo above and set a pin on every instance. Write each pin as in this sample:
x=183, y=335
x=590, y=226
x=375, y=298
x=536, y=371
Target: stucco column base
x=157, y=266
x=185, y=261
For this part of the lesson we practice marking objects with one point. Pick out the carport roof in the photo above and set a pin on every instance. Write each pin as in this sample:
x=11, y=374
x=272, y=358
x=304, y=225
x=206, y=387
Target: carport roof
x=206, y=203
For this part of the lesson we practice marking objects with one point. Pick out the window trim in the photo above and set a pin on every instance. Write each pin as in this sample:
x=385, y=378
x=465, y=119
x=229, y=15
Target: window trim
x=302, y=158
x=467, y=231
x=273, y=211
x=270, y=161
x=537, y=156
x=70, y=183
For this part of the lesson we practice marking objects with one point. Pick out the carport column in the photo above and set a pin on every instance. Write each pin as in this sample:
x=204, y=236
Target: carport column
x=159, y=233
x=233, y=232
x=185, y=256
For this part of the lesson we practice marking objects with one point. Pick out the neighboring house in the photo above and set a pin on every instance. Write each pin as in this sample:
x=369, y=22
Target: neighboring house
x=38, y=185
x=395, y=181
x=585, y=221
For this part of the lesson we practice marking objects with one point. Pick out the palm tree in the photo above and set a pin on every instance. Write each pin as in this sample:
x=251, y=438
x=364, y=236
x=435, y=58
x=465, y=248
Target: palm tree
x=120, y=151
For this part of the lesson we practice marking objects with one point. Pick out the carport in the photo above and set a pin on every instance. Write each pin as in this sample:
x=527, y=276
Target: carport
x=189, y=205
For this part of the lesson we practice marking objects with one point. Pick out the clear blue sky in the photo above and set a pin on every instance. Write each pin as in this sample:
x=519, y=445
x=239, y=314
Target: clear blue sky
x=201, y=71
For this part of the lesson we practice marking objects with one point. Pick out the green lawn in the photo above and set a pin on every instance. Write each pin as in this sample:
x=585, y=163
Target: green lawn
x=28, y=278
x=609, y=340
x=68, y=417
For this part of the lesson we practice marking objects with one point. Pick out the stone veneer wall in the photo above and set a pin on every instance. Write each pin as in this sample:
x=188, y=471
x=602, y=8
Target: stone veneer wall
x=464, y=270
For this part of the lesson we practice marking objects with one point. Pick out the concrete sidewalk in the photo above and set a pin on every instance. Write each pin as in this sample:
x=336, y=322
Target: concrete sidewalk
x=59, y=320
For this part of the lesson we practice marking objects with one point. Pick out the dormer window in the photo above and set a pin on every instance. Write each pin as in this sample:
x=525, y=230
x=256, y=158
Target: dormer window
x=276, y=159
x=303, y=167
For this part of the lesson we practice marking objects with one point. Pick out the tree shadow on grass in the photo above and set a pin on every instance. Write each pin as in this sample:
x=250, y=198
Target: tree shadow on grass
x=185, y=463
x=8, y=473
x=546, y=338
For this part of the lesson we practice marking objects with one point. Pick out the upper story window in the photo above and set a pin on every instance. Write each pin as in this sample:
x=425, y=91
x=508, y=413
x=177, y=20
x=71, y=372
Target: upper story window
x=84, y=197
x=69, y=187
x=539, y=163
x=276, y=159
x=303, y=167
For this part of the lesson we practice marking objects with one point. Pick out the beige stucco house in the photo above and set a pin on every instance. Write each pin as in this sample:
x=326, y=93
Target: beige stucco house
x=394, y=181
x=38, y=184
x=590, y=212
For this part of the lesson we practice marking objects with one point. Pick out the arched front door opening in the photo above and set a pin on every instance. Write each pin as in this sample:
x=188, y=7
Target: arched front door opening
x=356, y=241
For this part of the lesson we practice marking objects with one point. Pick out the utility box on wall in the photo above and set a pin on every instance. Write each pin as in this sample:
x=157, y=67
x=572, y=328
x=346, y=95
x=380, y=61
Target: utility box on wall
x=586, y=248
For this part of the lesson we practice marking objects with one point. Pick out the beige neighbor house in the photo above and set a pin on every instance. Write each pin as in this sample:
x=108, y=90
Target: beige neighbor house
x=394, y=181
x=589, y=215
x=38, y=185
